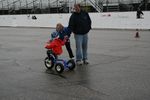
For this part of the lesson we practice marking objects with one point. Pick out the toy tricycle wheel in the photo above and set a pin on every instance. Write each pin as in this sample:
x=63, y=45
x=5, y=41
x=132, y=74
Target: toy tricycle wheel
x=71, y=64
x=59, y=67
x=49, y=63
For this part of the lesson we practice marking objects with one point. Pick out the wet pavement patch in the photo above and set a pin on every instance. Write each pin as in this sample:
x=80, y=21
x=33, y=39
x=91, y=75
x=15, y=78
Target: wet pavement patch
x=101, y=59
x=8, y=62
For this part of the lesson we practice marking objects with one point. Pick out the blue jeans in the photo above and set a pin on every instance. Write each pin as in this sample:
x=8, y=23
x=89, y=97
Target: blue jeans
x=81, y=46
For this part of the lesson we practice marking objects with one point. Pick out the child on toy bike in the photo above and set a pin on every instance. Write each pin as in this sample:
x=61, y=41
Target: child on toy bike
x=59, y=38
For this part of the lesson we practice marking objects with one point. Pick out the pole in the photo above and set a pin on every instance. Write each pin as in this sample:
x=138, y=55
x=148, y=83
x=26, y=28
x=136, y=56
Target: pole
x=49, y=6
x=69, y=6
x=57, y=7
x=119, y=4
x=146, y=3
x=41, y=5
x=107, y=5
x=2, y=7
x=8, y=6
x=33, y=7
x=20, y=7
x=27, y=6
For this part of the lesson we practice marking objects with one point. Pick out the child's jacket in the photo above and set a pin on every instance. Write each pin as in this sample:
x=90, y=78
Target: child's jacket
x=55, y=46
x=65, y=32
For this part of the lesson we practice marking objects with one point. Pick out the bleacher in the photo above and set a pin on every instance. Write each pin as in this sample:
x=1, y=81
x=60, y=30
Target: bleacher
x=63, y=6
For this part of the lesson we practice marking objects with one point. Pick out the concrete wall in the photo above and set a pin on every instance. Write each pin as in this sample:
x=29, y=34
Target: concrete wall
x=116, y=20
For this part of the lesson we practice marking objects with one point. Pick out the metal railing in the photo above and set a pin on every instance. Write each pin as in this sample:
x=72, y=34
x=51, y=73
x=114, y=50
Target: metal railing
x=98, y=5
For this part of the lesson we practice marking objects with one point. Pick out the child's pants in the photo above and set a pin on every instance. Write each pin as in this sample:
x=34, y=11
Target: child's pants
x=68, y=47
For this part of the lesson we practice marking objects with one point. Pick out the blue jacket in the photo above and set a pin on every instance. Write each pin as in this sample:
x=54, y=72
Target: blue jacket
x=65, y=32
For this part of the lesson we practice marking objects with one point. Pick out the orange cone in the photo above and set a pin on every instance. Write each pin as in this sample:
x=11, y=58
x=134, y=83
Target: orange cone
x=137, y=34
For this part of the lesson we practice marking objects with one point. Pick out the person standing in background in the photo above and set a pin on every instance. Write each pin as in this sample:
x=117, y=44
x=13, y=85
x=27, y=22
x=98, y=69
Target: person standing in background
x=80, y=24
x=139, y=13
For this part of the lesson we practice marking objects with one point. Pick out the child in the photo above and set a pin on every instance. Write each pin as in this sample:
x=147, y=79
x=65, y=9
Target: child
x=63, y=33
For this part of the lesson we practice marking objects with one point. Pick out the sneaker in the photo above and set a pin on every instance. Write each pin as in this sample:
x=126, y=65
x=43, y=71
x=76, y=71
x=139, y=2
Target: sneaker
x=86, y=62
x=72, y=58
x=79, y=63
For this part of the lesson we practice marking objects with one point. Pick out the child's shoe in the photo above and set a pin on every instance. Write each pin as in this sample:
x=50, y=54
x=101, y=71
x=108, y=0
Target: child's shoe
x=72, y=58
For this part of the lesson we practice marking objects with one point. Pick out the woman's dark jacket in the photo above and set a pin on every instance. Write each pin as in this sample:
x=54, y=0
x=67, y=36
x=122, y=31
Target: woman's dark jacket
x=80, y=23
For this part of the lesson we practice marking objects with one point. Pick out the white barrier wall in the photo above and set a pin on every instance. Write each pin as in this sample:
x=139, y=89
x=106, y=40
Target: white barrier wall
x=113, y=20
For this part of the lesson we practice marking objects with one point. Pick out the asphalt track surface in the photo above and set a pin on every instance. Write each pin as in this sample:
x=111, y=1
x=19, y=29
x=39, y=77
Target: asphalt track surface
x=119, y=67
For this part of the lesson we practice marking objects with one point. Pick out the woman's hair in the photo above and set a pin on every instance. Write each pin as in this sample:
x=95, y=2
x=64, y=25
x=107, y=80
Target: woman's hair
x=77, y=5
